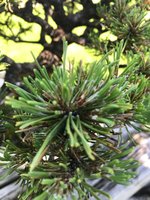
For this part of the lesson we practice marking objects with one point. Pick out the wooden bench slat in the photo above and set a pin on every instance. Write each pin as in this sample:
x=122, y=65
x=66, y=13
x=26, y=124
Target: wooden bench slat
x=10, y=192
x=9, y=179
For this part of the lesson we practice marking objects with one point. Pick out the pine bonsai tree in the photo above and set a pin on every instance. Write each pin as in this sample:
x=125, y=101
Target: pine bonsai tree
x=66, y=127
x=125, y=20
x=129, y=22
x=67, y=123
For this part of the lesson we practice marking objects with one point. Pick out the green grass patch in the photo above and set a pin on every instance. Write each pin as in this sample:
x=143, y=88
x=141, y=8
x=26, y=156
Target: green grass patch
x=20, y=52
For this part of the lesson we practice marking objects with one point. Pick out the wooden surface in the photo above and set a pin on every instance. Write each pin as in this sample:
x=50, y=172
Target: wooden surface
x=10, y=192
x=141, y=153
x=11, y=178
x=9, y=189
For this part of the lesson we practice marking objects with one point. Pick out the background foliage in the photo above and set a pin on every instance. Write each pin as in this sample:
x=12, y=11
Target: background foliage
x=41, y=25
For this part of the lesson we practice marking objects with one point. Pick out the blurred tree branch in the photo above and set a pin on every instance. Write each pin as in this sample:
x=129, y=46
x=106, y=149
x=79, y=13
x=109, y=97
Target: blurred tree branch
x=67, y=15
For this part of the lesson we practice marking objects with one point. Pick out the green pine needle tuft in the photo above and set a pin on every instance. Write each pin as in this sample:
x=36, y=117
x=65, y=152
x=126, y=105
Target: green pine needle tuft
x=66, y=127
